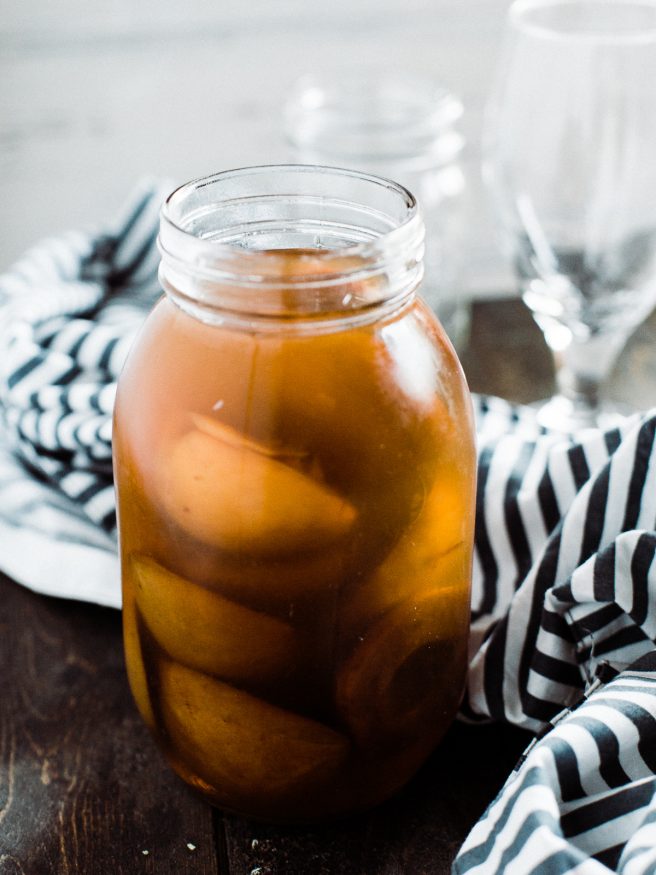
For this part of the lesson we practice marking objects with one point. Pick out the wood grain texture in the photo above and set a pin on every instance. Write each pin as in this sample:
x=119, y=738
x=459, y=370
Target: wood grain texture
x=416, y=833
x=507, y=356
x=82, y=787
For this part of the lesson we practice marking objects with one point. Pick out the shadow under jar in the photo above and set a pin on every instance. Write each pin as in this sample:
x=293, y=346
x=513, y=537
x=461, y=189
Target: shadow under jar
x=295, y=470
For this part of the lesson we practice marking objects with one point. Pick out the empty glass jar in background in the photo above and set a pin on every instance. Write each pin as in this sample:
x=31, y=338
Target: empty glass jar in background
x=403, y=128
x=295, y=471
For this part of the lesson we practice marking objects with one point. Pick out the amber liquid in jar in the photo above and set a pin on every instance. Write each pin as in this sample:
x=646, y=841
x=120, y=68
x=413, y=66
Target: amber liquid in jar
x=296, y=514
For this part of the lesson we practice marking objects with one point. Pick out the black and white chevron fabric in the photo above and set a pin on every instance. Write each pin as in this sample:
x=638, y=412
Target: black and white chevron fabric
x=564, y=600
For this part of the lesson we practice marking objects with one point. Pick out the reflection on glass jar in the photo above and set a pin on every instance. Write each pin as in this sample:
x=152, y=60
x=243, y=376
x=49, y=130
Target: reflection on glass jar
x=404, y=128
x=295, y=471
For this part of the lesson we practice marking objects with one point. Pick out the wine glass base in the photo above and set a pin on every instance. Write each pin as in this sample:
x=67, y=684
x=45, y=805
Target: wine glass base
x=564, y=415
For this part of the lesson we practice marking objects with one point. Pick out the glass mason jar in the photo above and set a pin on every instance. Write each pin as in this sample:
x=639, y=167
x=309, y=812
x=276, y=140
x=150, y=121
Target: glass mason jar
x=405, y=128
x=295, y=472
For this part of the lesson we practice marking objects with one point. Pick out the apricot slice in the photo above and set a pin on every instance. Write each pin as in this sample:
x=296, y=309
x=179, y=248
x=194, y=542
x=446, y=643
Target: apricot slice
x=241, y=744
x=270, y=584
x=240, y=499
x=396, y=580
x=446, y=518
x=432, y=553
x=406, y=675
x=134, y=663
x=206, y=631
x=229, y=435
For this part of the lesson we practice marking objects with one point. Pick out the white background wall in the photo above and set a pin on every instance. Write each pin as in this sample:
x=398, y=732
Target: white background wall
x=95, y=94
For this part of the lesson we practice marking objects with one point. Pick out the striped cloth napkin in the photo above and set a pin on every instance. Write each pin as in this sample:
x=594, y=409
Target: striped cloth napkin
x=564, y=596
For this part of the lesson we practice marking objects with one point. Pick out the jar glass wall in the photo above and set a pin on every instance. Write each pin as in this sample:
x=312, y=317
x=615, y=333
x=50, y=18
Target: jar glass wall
x=295, y=474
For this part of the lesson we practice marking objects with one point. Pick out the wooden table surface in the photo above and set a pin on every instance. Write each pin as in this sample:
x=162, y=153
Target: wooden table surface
x=83, y=788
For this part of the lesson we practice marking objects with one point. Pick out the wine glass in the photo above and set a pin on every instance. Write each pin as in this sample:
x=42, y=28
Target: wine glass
x=570, y=158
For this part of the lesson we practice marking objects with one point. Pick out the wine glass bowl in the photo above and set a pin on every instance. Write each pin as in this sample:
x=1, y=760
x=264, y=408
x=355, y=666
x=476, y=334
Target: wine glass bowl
x=570, y=160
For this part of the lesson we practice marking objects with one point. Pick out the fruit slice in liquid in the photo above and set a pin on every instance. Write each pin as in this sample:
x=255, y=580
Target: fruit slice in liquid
x=241, y=745
x=242, y=500
x=206, y=631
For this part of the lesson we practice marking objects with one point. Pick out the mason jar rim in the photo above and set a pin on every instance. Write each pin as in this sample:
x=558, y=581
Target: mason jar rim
x=248, y=262
x=374, y=115
x=225, y=242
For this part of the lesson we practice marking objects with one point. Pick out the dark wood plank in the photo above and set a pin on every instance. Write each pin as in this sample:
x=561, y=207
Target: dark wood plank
x=82, y=787
x=419, y=831
x=507, y=356
x=633, y=380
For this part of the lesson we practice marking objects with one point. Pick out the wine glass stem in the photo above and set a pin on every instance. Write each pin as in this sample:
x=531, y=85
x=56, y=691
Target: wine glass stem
x=581, y=390
x=582, y=366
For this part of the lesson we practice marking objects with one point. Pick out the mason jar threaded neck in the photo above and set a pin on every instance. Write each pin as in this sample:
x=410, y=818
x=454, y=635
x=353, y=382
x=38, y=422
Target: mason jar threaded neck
x=290, y=241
